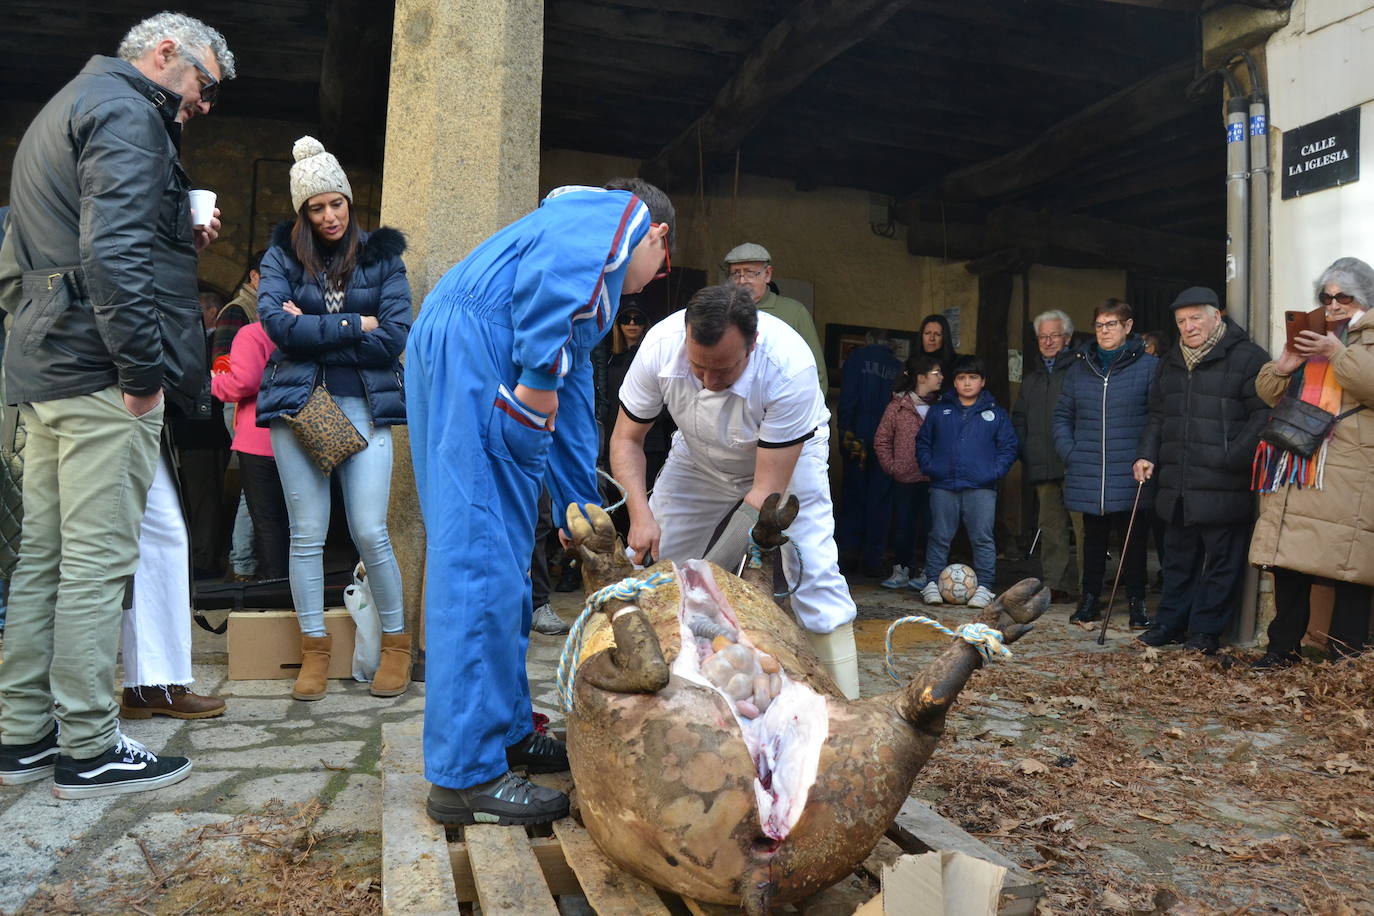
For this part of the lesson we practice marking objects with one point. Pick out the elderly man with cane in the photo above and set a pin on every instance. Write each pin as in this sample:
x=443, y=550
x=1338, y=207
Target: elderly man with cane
x=1204, y=424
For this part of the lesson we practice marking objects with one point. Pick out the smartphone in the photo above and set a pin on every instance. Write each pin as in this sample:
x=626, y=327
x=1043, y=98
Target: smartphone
x=1294, y=323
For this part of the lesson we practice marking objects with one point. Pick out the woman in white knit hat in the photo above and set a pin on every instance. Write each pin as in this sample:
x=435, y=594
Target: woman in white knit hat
x=336, y=302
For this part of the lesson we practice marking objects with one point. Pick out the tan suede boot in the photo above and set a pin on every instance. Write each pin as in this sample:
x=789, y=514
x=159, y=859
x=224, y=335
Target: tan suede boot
x=393, y=674
x=313, y=680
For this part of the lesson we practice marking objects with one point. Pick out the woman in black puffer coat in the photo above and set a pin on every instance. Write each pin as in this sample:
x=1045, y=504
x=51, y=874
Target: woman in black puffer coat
x=336, y=302
x=1097, y=423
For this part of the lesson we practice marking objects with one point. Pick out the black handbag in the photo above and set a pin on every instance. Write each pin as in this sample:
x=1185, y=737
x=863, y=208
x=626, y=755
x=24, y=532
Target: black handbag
x=1300, y=428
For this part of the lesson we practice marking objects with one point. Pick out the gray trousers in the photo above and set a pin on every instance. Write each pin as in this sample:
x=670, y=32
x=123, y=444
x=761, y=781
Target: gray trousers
x=1054, y=537
x=88, y=465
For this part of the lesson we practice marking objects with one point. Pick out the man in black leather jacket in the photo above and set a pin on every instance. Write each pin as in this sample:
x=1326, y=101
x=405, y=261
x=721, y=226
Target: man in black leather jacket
x=106, y=320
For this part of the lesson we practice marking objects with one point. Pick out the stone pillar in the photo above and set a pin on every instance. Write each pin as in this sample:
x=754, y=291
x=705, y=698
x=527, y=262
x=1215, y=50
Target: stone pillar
x=462, y=160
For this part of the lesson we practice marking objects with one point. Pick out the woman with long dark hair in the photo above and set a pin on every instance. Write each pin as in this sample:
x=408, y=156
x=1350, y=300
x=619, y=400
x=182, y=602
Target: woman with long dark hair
x=336, y=302
x=937, y=342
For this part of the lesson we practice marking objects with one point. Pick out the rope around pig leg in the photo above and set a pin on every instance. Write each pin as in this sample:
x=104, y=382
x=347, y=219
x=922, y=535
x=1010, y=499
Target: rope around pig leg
x=625, y=590
x=985, y=639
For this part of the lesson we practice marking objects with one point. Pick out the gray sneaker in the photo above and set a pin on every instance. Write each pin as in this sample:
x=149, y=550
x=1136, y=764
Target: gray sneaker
x=547, y=622
x=506, y=800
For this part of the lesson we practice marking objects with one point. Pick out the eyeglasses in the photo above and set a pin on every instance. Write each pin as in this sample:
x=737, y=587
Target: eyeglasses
x=632, y=318
x=209, y=93
x=1107, y=325
x=667, y=261
x=1342, y=298
x=1050, y=338
x=746, y=274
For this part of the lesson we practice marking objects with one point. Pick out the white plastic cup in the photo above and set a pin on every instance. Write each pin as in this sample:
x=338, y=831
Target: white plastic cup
x=202, y=208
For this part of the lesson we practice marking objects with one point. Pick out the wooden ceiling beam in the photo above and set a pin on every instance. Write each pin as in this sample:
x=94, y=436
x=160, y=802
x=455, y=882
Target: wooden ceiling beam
x=812, y=34
x=1116, y=120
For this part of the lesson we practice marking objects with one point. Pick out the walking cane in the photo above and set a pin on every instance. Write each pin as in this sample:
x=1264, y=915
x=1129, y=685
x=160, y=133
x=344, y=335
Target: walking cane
x=1125, y=545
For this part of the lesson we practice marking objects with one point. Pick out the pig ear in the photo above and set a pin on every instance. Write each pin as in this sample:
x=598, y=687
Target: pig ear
x=788, y=515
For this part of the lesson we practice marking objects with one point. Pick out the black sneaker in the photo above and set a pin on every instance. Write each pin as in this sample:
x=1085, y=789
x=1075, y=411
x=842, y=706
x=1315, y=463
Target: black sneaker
x=126, y=767
x=538, y=753
x=1088, y=609
x=1272, y=660
x=1159, y=635
x=506, y=800
x=1206, y=643
x=1140, y=618
x=21, y=763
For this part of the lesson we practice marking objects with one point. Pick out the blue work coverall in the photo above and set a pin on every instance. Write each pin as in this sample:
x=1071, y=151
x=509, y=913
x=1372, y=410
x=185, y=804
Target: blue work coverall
x=526, y=306
x=865, y=391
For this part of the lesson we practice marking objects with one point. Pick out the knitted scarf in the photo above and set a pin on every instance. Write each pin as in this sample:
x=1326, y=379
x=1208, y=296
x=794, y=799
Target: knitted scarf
x=1193, y=355
x=1314, y=383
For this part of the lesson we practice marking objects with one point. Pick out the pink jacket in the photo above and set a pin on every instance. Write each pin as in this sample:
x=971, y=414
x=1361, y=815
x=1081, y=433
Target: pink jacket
x=247, y=358
x=895, y=441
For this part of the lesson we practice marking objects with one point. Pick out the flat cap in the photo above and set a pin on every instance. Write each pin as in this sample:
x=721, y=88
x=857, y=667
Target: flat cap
x=1196, y=295
x=749, y=251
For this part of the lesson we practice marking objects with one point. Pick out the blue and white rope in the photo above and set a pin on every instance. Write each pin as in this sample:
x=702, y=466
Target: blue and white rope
x=756, y=562
x=987, y=640
x=615, y=483
x=625, y=590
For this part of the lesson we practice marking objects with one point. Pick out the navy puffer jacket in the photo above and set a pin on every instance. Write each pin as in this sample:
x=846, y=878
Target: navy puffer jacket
x=1097, y=425
x=321, y=339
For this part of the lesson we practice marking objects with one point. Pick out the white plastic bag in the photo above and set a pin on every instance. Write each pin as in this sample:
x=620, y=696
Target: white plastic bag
x=367, y=638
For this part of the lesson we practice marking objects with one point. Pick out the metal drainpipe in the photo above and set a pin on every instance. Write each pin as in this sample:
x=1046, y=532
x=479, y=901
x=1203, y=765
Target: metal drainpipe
x=1258, y=245
x=1259, y=206
x=1237, y=193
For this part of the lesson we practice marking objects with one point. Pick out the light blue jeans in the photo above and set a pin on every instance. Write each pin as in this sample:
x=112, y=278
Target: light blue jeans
x=365, y=479
x=242, y=560
x=977, y=509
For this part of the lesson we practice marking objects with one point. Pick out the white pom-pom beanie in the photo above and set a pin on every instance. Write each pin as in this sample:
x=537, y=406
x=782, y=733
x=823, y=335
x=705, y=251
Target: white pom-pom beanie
x=315, y=172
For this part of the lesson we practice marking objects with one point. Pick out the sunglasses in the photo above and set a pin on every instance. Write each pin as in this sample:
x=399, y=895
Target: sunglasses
x=209, y=93
x=1342, y=298
x=631, y=318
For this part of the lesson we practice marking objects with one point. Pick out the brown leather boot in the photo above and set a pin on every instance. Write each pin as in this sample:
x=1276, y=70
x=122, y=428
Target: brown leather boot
x=313, y=680
x=393, y=674
x=174, y=700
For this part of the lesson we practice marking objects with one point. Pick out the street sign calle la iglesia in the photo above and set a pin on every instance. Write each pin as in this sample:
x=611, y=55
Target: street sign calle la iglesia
x=1322, y=154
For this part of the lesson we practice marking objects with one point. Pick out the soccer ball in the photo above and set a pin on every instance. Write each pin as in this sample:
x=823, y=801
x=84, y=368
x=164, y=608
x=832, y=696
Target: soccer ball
x=957, y=583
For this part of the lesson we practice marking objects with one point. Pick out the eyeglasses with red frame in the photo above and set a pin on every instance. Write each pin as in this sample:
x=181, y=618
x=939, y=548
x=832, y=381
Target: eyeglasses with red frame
x=667, y=261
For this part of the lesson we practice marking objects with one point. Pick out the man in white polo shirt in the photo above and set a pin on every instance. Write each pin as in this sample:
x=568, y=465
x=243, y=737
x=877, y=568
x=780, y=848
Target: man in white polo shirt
x=741, y=387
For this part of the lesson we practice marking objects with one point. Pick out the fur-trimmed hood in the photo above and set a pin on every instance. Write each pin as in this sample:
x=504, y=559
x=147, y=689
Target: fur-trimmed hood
x=377, y=245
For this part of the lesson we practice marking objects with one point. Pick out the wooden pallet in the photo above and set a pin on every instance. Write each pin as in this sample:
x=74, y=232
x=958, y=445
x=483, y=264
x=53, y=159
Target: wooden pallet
x=427, y=870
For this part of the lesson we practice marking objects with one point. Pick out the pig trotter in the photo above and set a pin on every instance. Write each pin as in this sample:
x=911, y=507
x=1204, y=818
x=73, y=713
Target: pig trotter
x=774, y=518
x=595, y=540
x=635, y=663
x=927, y=699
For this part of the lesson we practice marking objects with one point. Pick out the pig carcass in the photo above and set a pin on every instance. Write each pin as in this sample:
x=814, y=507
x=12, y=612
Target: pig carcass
x=713, y=756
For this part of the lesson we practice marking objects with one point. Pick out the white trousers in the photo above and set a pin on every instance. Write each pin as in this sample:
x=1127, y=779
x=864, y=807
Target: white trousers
x=689, y=502
x=157, y=629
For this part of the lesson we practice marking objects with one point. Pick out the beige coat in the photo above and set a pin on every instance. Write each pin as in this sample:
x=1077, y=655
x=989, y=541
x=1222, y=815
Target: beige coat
x=1328, y=532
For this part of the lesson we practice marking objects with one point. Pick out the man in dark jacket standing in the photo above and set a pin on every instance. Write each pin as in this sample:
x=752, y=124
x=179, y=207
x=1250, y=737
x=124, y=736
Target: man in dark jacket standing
x=1199, y=441
x=106, y=319
x=865, y=390
x=1033, y=417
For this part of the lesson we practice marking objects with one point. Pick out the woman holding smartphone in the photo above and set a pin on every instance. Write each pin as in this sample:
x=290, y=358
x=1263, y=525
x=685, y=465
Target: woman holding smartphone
x=1314, y=517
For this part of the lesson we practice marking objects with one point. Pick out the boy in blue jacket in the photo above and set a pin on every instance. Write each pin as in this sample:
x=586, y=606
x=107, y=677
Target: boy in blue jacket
x=966, y=445
x=501, y=346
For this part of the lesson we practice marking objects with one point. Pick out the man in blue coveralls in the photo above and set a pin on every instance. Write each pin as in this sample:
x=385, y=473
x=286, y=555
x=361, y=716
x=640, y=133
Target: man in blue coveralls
x=499, y=348
x=865, y=391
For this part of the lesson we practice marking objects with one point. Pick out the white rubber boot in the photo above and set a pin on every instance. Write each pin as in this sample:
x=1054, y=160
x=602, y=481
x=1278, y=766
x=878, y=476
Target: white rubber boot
x=840, y=656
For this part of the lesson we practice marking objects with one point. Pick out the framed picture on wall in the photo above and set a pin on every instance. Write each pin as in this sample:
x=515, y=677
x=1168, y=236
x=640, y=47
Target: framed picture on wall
x=843, y=339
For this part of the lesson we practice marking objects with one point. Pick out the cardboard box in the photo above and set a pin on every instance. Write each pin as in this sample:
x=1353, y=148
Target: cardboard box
x=265, y=645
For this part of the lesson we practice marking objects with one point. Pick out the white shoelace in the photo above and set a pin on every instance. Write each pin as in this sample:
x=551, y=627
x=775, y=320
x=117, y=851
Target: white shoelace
x=127, y=745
